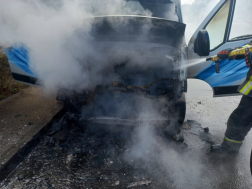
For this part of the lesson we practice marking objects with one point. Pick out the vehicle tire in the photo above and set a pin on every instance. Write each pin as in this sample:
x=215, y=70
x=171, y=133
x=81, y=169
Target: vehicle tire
x=180, y=109
x=177, y=112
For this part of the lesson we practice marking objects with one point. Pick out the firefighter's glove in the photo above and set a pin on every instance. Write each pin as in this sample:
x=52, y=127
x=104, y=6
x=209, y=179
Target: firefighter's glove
x=248, y=59
x=224, y=54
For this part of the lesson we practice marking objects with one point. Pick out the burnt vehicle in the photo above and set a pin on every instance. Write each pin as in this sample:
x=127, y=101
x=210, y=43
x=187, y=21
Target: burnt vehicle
x=148, y=52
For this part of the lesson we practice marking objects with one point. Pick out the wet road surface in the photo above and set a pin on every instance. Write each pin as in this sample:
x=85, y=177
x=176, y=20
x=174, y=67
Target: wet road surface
x=95, y=156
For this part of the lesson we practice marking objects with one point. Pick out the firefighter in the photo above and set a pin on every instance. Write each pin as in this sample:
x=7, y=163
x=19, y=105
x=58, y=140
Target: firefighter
x=240, y=121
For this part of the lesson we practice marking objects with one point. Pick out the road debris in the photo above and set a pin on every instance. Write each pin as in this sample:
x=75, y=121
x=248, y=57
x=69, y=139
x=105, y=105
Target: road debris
x=179, y=137
x=186, y=126
x=197, y=129
x=206, y=129
x=51, y=142
x=69, y=158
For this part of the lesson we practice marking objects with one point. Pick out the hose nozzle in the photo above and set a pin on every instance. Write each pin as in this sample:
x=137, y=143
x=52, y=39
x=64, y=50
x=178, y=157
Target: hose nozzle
x=216, y=59
x=217, y=67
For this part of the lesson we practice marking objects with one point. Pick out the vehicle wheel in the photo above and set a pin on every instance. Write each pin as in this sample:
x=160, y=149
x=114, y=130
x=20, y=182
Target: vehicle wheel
x=180, y=109
x=177, y=113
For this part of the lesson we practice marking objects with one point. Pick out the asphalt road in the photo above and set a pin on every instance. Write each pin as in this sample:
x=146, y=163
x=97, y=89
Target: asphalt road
x=107, y=157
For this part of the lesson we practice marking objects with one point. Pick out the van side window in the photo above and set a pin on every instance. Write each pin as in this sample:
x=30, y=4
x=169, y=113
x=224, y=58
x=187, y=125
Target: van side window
x=242, y=21
x=217, y=26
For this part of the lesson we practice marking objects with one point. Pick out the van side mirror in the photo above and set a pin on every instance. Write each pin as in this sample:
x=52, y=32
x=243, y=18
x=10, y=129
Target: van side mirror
x=202, y=43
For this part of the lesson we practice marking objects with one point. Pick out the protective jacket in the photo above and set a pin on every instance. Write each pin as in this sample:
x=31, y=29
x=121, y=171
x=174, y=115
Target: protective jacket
x=240, y=121
x=246, y=87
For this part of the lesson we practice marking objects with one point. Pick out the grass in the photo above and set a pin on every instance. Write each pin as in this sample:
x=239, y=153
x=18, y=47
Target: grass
x=8, y=86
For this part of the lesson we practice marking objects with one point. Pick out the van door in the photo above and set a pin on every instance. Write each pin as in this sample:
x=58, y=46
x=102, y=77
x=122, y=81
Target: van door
x=227, y=28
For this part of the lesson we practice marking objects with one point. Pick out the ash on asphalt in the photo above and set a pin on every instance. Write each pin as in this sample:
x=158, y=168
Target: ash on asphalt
x=83, y=156
x=95, y=156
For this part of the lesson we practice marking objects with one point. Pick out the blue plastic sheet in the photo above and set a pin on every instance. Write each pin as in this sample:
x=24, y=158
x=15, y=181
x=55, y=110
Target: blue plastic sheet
x=20, y=57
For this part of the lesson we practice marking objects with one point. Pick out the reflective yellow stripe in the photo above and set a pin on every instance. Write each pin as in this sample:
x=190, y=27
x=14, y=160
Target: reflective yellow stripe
x=246, y=46
x=247, y=92
x=241, y=91
x=229, y=140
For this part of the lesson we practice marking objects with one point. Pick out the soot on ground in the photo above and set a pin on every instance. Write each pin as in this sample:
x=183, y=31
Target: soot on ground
x=86, y=156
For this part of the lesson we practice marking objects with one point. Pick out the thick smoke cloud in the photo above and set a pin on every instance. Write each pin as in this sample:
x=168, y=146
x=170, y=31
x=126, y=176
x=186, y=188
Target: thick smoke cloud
x=43, y=29
x=162, y=159
x=48, y=29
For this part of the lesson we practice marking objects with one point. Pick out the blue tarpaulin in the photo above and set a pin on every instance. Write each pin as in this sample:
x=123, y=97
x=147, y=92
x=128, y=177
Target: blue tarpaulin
x=20, y=57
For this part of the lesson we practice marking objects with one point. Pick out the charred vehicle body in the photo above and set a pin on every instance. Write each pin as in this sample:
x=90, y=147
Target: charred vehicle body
x=148, y=54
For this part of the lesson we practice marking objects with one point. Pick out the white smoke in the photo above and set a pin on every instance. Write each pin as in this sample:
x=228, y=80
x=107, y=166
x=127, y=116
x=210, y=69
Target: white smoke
x=162, y=159
x=43, y=29
x=48, y=30
x=194, y=12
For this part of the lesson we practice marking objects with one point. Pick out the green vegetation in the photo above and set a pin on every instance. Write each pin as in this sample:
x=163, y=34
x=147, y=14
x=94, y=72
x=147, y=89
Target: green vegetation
x=8, y=86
